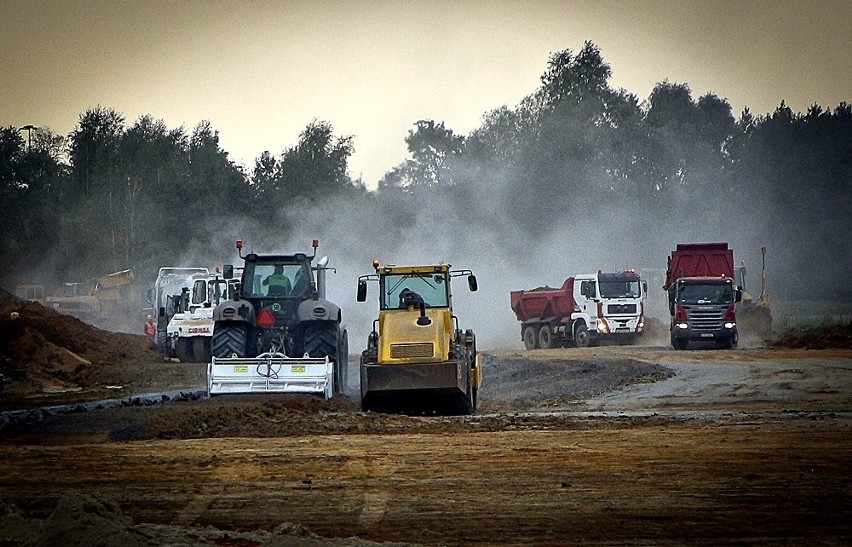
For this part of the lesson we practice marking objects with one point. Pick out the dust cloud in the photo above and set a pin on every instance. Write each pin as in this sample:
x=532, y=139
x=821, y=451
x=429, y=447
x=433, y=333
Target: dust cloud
x=475, y=233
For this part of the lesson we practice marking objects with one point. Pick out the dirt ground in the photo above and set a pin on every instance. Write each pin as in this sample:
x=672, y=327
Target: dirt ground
x=616, y=445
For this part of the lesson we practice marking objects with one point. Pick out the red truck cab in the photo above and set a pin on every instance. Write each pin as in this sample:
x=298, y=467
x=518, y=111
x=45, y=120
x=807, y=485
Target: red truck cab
x=702, y=295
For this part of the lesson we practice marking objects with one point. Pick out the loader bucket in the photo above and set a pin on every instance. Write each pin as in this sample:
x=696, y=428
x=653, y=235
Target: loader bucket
x=270, y=373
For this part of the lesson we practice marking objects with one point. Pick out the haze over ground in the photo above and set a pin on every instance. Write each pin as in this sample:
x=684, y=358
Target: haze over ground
x=259, y=71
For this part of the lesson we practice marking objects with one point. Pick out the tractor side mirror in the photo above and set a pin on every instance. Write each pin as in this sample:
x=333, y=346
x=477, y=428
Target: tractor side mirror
x=738, y=295
x=228, y=271
x=471, y=283
x=362, y=291
x=645, y=287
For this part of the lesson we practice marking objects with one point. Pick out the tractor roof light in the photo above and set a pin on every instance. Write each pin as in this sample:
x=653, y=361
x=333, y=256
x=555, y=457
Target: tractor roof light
x=239, y=244
x=376, y=263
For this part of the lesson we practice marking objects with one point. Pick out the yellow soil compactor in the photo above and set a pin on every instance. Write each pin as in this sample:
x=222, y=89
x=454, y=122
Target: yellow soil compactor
x=417, y=358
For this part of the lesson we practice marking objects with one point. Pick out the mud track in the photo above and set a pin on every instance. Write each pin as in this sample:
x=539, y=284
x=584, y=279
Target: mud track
x=610, y=445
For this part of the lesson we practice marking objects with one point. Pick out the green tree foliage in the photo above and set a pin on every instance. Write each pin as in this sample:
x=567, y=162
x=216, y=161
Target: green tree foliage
x=312, y=170
x=433, y=149
x=31, y=180
x=574, y=157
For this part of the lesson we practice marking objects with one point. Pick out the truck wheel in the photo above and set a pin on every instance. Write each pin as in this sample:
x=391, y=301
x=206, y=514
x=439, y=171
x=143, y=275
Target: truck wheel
x=581, y=336
x=163, y=343
x=730, y=343
x=678, y=343
x=229, y=339
x=201, y=349
x=545, y=337
x=530, y=337
x=183, y=348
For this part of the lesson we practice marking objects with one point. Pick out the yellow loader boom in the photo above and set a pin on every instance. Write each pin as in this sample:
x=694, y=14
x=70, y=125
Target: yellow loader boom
x=417, y=357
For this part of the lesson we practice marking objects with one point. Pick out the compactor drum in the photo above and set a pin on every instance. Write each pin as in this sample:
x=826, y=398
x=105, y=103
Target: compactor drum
x=417, y=358
x=278, y=333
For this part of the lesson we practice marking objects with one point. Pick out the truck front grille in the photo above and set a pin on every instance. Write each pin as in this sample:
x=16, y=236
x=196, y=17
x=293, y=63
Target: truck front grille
x=621, y=308
x=407, y=351
x=705, y=320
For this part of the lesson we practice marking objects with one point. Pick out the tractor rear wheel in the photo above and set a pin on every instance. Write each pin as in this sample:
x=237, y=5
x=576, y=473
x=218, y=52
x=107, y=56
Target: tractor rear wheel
x=229, y=339
x=324, y=339
x=341, y=368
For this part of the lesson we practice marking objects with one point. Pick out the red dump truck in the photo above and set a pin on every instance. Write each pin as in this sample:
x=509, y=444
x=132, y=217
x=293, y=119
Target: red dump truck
x=585, y=309
x=702, y=295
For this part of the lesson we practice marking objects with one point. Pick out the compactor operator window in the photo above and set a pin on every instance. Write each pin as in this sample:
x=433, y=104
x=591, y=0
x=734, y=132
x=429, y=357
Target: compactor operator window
x=430, y=287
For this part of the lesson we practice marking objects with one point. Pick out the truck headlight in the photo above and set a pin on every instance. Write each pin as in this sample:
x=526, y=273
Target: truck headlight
x=730, y=325
x=682, y=326
x=602, y=327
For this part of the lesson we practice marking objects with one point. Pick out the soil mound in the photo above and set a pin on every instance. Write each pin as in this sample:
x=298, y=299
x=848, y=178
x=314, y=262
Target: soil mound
x=837, y=336
x=42, y=351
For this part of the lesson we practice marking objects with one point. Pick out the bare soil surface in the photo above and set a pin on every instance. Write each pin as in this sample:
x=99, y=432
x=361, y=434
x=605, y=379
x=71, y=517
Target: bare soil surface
x=616, y=445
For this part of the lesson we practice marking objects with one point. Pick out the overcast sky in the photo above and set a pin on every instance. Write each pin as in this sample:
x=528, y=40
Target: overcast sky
x=260, y=71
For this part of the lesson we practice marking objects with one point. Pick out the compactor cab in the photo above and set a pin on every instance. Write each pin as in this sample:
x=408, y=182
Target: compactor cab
x=278, y=332
x=417, y=356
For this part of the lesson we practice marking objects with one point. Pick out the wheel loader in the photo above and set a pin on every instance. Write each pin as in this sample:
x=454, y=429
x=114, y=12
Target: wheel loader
x=278, y=333
x=417, y=358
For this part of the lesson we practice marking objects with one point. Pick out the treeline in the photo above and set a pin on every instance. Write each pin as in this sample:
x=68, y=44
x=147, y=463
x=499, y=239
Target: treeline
x=574, y=155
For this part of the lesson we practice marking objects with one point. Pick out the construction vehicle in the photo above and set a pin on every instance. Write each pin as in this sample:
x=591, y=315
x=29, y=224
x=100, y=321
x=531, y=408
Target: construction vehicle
x=278, y=333
x=190, y=328
x=164, y=299
x=702, y=295
x=417, y=357
x=30, y=291
x=754, y=318
x=583, y=311
x=96, y=299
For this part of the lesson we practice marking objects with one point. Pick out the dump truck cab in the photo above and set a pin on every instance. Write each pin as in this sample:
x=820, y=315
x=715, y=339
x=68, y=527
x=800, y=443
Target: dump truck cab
x=417, y=356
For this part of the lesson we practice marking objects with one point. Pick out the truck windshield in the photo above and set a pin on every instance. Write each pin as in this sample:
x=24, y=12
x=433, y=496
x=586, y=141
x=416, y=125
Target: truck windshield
x=431, y=288
x=706, y=294
x=619, y=289
x=276, y=280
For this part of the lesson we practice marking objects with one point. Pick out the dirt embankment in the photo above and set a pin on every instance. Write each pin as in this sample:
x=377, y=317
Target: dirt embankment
x=47, y=357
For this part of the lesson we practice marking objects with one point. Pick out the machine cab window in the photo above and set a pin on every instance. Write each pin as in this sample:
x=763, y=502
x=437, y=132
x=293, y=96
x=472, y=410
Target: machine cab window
x=276, y=280
x=199, y=292
x=401, y=290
